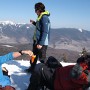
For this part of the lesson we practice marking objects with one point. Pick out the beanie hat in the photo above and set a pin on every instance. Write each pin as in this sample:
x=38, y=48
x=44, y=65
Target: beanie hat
x=39, y=6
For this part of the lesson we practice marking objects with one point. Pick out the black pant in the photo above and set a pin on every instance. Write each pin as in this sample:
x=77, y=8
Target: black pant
x=40, y=53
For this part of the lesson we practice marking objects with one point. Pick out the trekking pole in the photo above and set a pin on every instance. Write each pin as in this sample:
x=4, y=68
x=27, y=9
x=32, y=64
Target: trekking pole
x=33, y=58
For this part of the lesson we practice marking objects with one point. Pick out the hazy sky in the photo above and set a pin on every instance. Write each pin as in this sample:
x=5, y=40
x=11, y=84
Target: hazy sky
x=64, y=13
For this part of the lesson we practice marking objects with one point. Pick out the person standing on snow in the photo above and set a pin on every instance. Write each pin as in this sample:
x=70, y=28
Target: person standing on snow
x=41, y=34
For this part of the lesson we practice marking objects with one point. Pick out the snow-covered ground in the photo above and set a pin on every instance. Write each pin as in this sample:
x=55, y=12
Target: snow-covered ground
x=19, y=78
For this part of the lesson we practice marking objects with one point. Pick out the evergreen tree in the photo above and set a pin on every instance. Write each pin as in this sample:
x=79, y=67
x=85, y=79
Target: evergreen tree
x=84, y=52
x=64, y=57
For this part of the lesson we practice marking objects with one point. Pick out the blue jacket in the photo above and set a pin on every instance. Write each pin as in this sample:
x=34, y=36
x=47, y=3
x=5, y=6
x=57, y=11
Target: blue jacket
x=42, y=32
x=5, y=80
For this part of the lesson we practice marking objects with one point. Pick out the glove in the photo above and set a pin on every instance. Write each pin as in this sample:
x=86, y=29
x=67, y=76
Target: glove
x=33, y=58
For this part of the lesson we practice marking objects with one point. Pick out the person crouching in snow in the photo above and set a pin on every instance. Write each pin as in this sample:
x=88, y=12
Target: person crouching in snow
x=5, y=83
x=71, y=77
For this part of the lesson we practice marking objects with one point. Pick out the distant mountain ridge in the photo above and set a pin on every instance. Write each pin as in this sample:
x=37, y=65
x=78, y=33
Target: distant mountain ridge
x=70, y=38
x=15, y=33
x=61, y=38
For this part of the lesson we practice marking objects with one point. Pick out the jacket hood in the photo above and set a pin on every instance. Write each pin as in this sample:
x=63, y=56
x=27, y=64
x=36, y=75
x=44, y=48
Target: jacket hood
x=43, y=13
x=46, y=13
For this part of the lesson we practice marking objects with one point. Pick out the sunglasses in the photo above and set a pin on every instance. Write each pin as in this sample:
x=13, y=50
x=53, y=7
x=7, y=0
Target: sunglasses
x=36, y=10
